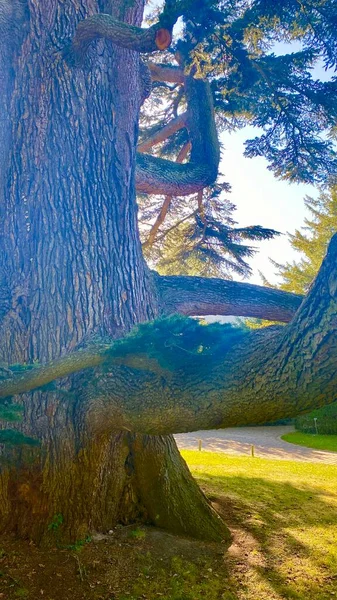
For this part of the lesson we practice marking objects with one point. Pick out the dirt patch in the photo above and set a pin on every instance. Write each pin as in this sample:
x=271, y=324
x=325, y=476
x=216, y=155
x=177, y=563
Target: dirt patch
x=121, y=565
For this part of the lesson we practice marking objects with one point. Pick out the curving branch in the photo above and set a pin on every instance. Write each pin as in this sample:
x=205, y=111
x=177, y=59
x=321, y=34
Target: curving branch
x=167, y=73
x=265, y=375
x=184, y=295
x=197, y=296
x=156, y=37
x=155, y=175
x=158, y=176
x=40, y=376
x=260, y=376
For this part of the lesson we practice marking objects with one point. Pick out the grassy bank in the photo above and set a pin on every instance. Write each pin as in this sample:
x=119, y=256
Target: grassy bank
x=310, y=440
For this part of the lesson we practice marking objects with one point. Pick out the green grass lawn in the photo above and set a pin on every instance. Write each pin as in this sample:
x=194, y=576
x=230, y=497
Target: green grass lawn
x=310, y=440
x=284, y=519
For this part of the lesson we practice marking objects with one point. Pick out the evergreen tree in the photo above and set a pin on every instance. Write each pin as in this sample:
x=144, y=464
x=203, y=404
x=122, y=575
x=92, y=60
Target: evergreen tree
x=311, y=243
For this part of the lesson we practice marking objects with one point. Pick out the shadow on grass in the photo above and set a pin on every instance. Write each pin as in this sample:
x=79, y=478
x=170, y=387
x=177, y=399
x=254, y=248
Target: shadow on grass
x=278, y=517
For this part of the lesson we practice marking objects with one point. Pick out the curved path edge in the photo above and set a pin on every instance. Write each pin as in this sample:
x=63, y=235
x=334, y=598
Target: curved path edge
x=266, y=440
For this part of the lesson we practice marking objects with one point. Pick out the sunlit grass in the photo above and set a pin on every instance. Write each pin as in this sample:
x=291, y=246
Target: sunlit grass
x=310, y=440
x=284, y=517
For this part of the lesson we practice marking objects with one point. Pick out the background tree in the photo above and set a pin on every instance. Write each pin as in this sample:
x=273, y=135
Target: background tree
x=73, y=273
x=311, y=243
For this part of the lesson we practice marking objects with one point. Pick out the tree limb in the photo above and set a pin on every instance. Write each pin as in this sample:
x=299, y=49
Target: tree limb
x=155, y=175
x=205, y=294
x=154, y=38
x=268, y=374
x=167, y=73
x=211, y=296
x=122, y=34
x=40, y=376
x=263, y=375
x=158, y=176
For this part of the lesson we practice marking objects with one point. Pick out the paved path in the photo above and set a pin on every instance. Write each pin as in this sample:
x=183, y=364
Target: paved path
x=266, y=440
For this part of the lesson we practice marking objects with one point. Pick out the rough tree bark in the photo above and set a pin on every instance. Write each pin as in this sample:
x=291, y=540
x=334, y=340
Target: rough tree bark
x=256, y=377
x=211, y=296
x=72, y=268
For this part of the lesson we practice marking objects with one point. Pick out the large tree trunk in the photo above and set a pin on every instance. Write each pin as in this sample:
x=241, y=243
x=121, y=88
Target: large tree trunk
x=72, y=268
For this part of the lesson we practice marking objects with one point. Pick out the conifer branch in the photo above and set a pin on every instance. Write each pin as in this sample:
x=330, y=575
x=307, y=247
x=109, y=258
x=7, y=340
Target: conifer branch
x=195, y=296
x=159, y=176
x=161, y=135
x=192, y=377
x=153, y=174
x=166, y=73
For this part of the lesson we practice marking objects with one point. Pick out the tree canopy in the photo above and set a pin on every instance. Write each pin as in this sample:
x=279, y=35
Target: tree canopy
x=259, y=58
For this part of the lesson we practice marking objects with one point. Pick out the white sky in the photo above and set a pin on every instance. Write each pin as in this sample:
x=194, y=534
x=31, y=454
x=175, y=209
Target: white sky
x=262, y=200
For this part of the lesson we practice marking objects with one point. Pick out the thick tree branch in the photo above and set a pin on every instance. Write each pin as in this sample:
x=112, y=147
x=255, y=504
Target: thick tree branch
x=157, y=37
x=256, y=377
x=186, y=295
x=211, y=296
x=266, y=375
x=167, y=73
x=40, y=376
x=155, y=175
x=158, y=176
x=122, y=34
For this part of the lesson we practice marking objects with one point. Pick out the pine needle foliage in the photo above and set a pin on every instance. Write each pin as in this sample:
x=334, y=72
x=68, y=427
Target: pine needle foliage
x=259, y=56
x=11, y=412
x=204, y=239
x=174, y=343
x=311, y=243
x=16, y=438
x=179, y=343
x=234, y=42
